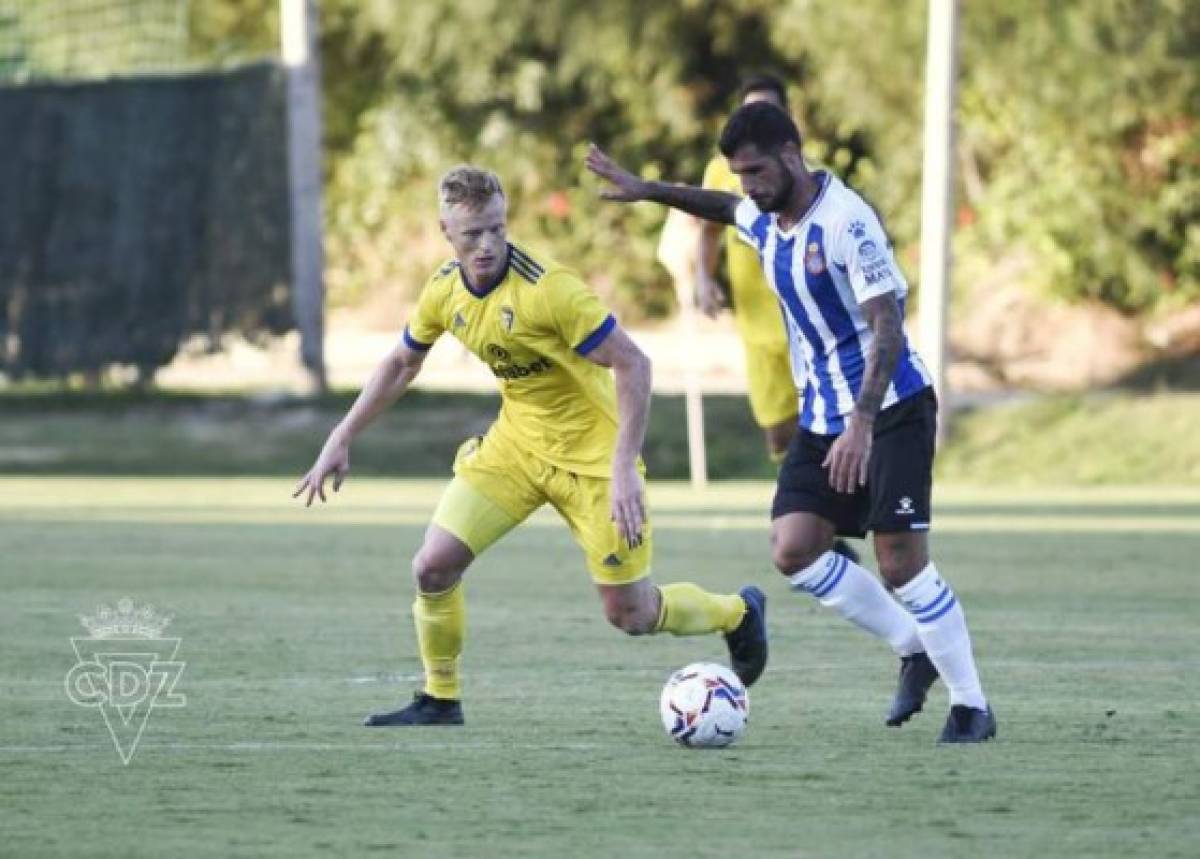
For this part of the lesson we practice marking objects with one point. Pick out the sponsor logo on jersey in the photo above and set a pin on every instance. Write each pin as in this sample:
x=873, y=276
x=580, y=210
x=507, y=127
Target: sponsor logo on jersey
x=521, y=371
x=814, y=260
x=868, y=251
x=505, y=370
x=876, y=269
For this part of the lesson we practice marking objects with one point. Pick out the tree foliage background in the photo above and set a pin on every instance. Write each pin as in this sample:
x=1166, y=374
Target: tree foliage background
x=1078, y=146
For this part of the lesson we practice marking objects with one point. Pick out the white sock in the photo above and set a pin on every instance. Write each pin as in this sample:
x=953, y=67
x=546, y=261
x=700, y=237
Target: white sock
x=943, y=628
x=842, y=585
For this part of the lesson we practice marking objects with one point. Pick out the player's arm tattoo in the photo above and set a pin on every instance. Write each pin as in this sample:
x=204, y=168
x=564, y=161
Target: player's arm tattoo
x=883, y=317
x=710, y=205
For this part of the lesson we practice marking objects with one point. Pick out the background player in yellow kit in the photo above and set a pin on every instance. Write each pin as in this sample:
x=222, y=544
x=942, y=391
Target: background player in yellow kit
x=566, y=435
x=772, y=387
x=770, y=374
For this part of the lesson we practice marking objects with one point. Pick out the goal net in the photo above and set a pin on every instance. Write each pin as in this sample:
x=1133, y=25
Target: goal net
x=146, y=196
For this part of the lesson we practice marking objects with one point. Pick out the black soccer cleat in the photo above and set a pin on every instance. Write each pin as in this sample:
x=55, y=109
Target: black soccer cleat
x=748, y=643
x=424, y=710
x=846, y=550
x=916, y=676
x=968, y=725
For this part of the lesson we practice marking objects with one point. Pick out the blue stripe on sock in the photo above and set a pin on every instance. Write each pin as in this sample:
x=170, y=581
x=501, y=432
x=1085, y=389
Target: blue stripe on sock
x=932, y=605
x=812, y=589
x=916, y=608
x=936, y=608
x=946, y=608
x=839, y=570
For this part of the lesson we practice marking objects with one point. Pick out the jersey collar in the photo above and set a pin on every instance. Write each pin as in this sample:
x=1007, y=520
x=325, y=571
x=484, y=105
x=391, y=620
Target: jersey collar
x=791, y=231
x=484, y=293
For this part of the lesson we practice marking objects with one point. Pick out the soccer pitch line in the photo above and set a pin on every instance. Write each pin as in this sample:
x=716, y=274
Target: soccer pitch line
x=1008, y=522
x=404, y=493
x=293, y=746
x=731, y=507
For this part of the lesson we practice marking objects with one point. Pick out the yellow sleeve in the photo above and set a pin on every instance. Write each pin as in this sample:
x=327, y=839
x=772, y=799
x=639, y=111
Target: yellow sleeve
x=427, y=322
x=575, y=313
x=718, y=177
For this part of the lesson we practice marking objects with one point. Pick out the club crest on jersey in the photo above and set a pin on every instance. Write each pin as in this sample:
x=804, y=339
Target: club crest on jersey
x=814, y=260
x=857, y=229
x=507, y=318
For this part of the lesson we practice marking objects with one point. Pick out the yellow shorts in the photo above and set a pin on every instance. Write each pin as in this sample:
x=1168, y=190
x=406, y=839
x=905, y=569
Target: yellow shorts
x=773, y=397
x=497, y=485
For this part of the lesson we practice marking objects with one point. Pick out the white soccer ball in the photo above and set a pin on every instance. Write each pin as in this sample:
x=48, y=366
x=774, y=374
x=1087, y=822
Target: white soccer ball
x=704, y=705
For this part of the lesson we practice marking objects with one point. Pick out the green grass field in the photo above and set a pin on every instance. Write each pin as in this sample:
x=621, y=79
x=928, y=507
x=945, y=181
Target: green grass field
x=1063, y=440
x=295, y=623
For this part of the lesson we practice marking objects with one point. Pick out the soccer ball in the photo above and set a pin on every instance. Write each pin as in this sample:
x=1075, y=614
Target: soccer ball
x=704, y=705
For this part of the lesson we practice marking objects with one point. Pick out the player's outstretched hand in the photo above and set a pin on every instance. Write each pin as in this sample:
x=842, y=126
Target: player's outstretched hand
x=709, y=296
x=628, y=504
x=850, y=455
x=624, y=187
x=333, y=460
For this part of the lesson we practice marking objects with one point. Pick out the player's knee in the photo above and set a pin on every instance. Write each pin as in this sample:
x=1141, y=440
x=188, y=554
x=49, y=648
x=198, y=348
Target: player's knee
x=900, y=558
x=631, y=618
x=791, y=555
x=433, y=572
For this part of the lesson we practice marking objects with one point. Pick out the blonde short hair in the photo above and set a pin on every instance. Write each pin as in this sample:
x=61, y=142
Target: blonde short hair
x=469, y=186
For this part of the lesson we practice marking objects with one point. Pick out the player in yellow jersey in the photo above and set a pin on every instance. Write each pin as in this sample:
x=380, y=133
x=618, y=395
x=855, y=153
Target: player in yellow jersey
x=575, y=394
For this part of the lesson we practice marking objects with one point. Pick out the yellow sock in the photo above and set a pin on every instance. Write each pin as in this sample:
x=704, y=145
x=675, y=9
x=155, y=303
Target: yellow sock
x=691, y=610
x=777, y=457
x=440, y=619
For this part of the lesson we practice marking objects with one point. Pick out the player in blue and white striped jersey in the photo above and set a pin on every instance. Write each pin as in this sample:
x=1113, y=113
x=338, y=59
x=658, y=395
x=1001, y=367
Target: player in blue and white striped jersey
x=862, y=459
x=824, y=268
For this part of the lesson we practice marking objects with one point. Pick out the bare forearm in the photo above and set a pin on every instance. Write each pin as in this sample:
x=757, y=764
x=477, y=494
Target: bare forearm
x=633, y=408
x=709, y=205
x=886, y=344
x=708, y=249
x=386, y=385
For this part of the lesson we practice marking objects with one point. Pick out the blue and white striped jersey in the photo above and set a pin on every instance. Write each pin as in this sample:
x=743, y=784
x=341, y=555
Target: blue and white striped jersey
x=822, y=268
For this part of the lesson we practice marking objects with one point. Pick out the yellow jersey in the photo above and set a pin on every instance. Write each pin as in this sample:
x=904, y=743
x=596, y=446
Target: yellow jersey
x=755, y=307
x=533, y=329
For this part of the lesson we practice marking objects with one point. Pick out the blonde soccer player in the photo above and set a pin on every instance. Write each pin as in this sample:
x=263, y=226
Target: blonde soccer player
x=575, y=395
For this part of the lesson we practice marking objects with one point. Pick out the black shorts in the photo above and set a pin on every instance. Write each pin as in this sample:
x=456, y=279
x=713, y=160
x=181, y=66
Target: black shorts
x=899, y=475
